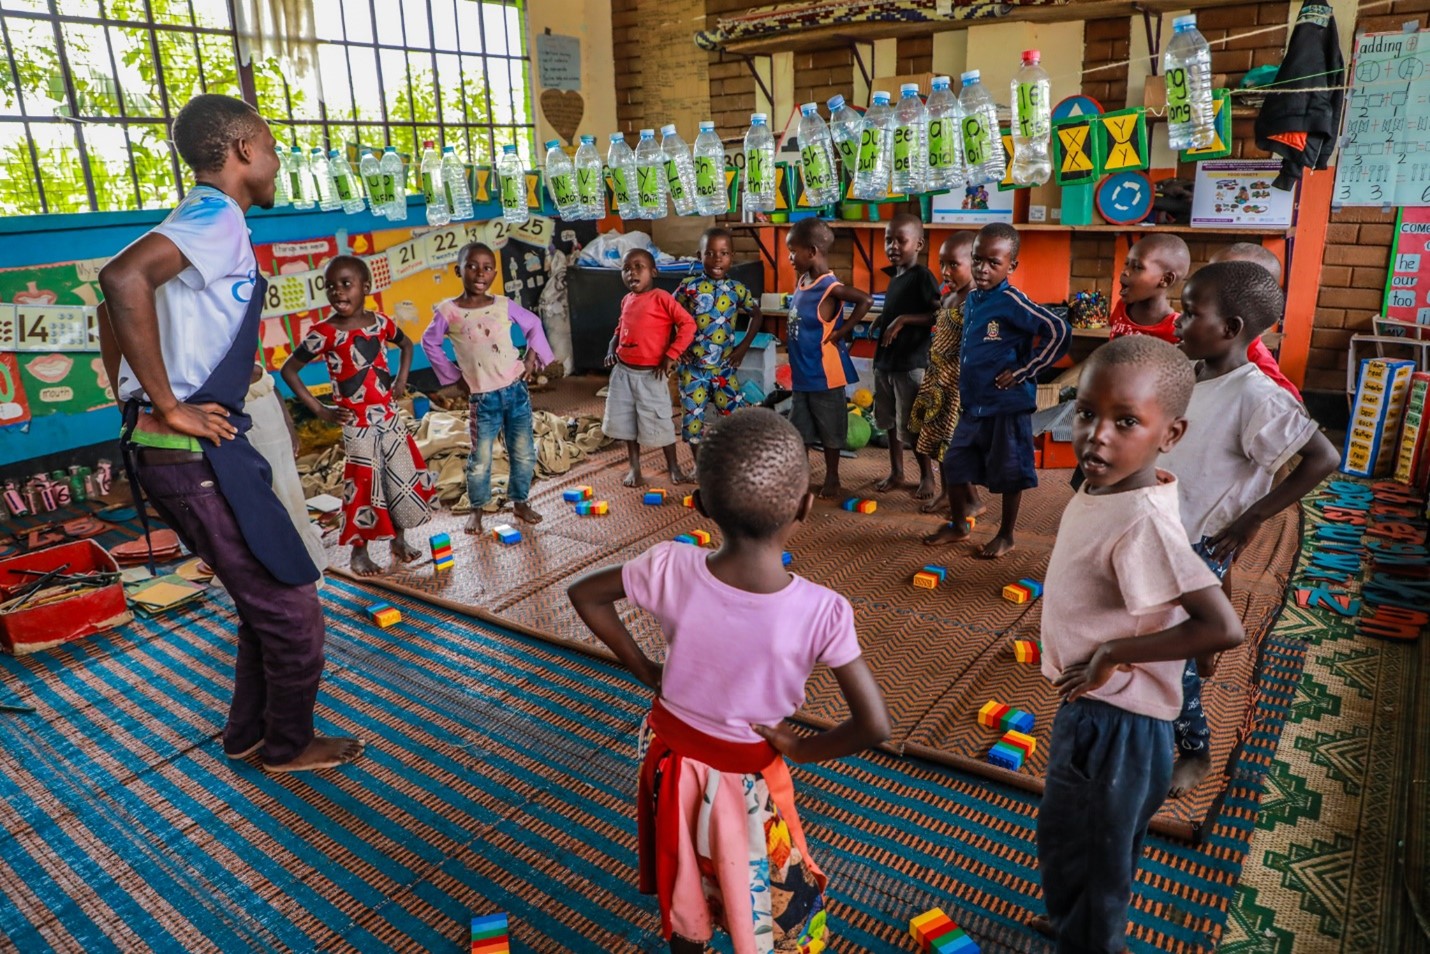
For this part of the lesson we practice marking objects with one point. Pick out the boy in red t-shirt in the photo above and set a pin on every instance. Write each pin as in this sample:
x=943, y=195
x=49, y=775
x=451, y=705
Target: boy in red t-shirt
x=1154, y=265
x=1258, y=354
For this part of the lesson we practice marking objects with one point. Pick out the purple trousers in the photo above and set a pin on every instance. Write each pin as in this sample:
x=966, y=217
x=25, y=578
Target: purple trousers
x=280, y=631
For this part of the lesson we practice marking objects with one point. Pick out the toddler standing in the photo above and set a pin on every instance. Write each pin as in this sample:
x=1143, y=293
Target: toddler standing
x=494, y=374
x=935, y=411
x=387, y=488
x=720, y=840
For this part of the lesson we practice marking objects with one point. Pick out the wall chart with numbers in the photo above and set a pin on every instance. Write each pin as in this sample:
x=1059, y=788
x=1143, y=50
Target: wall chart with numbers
x=1407, y=286
x=1385, y=145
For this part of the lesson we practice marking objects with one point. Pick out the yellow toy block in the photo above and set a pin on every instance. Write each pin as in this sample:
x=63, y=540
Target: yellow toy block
x=689, y=501
x=930, y=918
x=387, y=617
x=1026, y=651
x=992, y=713
x=867, y=506
x=1022, y=740
x=702, y=537
x=1016, y=593
x=927, y=581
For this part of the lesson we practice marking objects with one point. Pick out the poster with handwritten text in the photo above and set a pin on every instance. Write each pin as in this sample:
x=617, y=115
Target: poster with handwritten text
x=1385, y=146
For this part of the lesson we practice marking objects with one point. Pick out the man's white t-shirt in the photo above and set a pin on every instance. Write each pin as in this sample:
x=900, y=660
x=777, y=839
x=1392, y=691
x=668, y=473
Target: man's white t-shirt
x=200, y=311
x=1241, y=427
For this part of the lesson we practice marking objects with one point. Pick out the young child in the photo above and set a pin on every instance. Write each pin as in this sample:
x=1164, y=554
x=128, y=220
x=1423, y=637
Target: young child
x=1007, y=341
x=935, y=411
x=387, y=489
x=706, y=372
x=901, y=355
x=1154, y=265
x=653, y=332
x=742, y=635
x=817, y=343
x=1258, y=354
x=494, y=375
x=1125, y=602
x=1242, y=429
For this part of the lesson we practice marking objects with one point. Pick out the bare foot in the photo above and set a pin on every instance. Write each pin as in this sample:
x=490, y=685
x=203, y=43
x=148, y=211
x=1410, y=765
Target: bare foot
x=997, y=547
x=633, y=478
x=523, y=510
x=1042, y=925
x=678, y=476
x=829, y=490
x=474, y=523
x=362, y=564
x=896, y=479
x=946, y=534
x=926, y=489
x=324, y=752
x=937, y=504
x=404, y=551
x=1188, y=773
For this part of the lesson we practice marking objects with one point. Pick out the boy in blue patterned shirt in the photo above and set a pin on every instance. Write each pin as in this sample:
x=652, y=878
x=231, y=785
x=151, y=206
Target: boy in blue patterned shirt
x=706, y=372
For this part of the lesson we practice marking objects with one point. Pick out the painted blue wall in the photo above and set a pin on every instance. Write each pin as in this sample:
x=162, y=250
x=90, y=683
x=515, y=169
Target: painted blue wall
x=47, y=239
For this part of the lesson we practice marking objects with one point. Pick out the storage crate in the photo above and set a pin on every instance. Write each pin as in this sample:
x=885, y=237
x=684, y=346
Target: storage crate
x=760, y=362
x=89, y=610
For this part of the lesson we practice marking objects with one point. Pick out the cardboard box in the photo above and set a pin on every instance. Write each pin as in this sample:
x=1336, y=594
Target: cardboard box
x=90, y=610
x=1370, y=448
x=1412, y=457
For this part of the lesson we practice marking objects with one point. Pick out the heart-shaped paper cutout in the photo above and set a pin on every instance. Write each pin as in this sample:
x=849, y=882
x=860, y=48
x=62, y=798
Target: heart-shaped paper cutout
x=563, y=109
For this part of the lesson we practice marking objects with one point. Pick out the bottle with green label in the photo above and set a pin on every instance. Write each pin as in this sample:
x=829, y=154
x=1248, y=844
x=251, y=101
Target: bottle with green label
x=1187, y=66
x=945, y=145
x=1032, y=122
x=845, y=125
x=650, y=177
x=759, y=175
x=511, y=184
x=982, y=142
x=710, y=195
x=300, y=180
x=906, y=174
x=561, y=181
x=816, y=158
x=344, y=182
x=590, y=193
x=679, y=170
x=871, y=170
x=371, y=172
x=622, y=165
x=439, y=213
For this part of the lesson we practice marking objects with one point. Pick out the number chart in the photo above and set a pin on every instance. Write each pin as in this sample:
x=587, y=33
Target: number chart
x=1385, y=142
x=1407, y=284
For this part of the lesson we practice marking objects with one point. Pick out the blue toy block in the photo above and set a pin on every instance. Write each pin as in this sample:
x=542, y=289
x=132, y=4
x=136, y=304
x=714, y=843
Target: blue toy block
x=440, y=540
x=687, y=538
x=1020, y=720
x=1006, y=756
x=1035, y=589
x=954, y=942
x=786, y=558
x=938, y=571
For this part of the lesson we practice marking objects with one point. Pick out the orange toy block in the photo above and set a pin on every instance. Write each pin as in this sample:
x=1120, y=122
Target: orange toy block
x=702, y=537
x=1021, y=740
x=926, y=580
x=1016, y=593
x=992, y=713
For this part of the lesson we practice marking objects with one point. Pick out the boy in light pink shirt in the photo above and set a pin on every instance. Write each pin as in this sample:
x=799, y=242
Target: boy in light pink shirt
x=719, y=834
x=494, y=374
x=1126, y=602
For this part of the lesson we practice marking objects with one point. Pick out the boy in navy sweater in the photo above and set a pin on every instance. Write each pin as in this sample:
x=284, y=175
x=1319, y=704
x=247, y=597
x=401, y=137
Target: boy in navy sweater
x=1007, y=341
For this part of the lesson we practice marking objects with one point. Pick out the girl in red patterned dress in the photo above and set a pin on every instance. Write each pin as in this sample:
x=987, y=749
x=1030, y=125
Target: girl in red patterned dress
x=387, y=488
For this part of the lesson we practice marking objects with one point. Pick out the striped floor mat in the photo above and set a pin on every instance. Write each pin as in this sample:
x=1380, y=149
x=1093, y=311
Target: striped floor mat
x=499, y=776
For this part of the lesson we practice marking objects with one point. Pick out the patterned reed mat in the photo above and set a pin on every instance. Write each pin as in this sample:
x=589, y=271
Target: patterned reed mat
x=939, y=655
x=499, y=775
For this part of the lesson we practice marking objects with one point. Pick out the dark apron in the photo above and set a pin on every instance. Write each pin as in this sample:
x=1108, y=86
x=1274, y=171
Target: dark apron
x=244, y=478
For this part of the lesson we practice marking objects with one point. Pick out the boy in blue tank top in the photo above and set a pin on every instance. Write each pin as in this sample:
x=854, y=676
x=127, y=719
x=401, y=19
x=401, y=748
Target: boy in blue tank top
x=818, y=345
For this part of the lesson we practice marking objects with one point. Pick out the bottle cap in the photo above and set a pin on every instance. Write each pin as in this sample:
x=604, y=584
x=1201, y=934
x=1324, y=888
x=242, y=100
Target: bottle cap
x=1187, y=21
x=908, y=88
x=552, y=144
x=668, y=129
x=758, y=118
x=1032, y=56
x=585, y=141
x=428, y=144
x=297, y=151
x=451, y=149
x=333, y=153
x=618, y=137
x=969, y=78
x=808, y=108
x=942, y=82
x=317, y=150
x=392, y=149
x=647, y=133
x=707, y=126
x=508, y=149
x=835, y=102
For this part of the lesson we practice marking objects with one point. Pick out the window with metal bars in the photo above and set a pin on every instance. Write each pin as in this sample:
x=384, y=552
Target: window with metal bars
x=88, y=89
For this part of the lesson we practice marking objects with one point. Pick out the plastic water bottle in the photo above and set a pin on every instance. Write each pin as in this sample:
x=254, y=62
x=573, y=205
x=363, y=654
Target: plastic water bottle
x=394, y=184
x=622, y=163
x=1032, y=122
x=371, y=171
x=710, y=195
x=1187, y=65
x=282, y=190
x=871, y=172
x=816, y=158
x=845, y=125
x=561, y=181
x=300, y=180
x=650, y=177
x=323, y=181
x=910, y=141
x=438, y=212
x=982, y=142
x=455, y=184
x=945, y=146
x=679, y=170
x=759, y=165
x=345, y=184
x=590, y=193
x=511, y=179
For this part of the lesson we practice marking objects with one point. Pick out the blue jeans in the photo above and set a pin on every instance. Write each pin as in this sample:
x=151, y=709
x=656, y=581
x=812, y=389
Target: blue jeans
x=506, y=412
x=1108, y=772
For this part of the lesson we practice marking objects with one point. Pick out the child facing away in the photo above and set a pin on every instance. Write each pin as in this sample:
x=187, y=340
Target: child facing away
x=1125, y=602
x=1242, y=428
x=935, y=411
x=818, y=345
x=1257, y=352
x=387, y=488
x=706, y=373
x=651, y=335
x=720, y=840
x=901, y=355
x=1153, y=267
x=494, y=374
x=1007, y=341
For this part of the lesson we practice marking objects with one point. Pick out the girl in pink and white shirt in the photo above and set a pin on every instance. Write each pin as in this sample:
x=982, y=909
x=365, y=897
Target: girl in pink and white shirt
x=494, y=373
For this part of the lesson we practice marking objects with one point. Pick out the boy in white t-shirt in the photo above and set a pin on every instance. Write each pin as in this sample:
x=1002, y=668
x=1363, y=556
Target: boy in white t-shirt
x=1126, y=602
x=1242, y=428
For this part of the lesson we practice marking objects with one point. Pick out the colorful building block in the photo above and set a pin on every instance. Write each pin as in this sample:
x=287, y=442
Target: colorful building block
x=1034, y=588
x=701, y=536
x=1027, y=651
x=1020, y=740
x=438, y=541
x=593, y=508
x=992, y=713
x=920, y=926
x=786, y=558
x=935, y=932
x=687, y=538
x=653, y=498
x=997, y=715
x=1006, y=756
x=689, y=501
x=954, y=942
x=505, y=533
x=384, y=614
x=926, y=580
x=939, y=571
x=1016, y=593
x=858, y=505
x=575, y=494
x=491, y=935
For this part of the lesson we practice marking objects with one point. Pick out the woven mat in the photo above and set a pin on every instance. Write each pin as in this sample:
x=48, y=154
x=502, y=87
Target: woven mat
x=938, y=655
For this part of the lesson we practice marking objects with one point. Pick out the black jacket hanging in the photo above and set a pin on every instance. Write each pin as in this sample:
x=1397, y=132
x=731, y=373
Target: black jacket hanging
x=1301, y=118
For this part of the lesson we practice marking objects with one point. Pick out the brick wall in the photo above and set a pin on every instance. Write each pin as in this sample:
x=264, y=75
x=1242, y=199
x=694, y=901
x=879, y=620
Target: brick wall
x=1104, y=42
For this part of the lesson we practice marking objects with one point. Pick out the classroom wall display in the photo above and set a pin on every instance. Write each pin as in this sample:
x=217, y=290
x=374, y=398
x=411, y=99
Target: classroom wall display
x=14, y=406
x=1370, y=448
x=1237, y=193
x=1407, y=281
x=1384, y=158
x=975, y=205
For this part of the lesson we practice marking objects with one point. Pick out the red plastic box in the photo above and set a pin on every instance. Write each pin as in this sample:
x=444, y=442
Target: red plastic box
x=90, y=610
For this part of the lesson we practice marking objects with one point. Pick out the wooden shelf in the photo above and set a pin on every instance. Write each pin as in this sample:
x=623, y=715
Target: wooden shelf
x=838, y=225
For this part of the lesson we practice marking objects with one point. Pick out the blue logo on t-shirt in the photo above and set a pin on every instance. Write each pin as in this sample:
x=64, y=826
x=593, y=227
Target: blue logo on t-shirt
x=248, y=283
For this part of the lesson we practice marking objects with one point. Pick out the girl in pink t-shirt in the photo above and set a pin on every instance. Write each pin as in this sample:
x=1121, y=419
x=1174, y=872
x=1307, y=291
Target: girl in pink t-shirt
x=720, y=841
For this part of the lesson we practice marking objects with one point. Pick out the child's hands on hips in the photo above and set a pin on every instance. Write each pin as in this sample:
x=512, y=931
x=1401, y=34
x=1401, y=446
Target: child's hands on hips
x=530, y=365
x=784, y=740
x=663, y=367
x=1005, y=380
x=336, y=415
x=1081, y=678
x=1234, y=538
x=399, y=386
x=651, y=674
